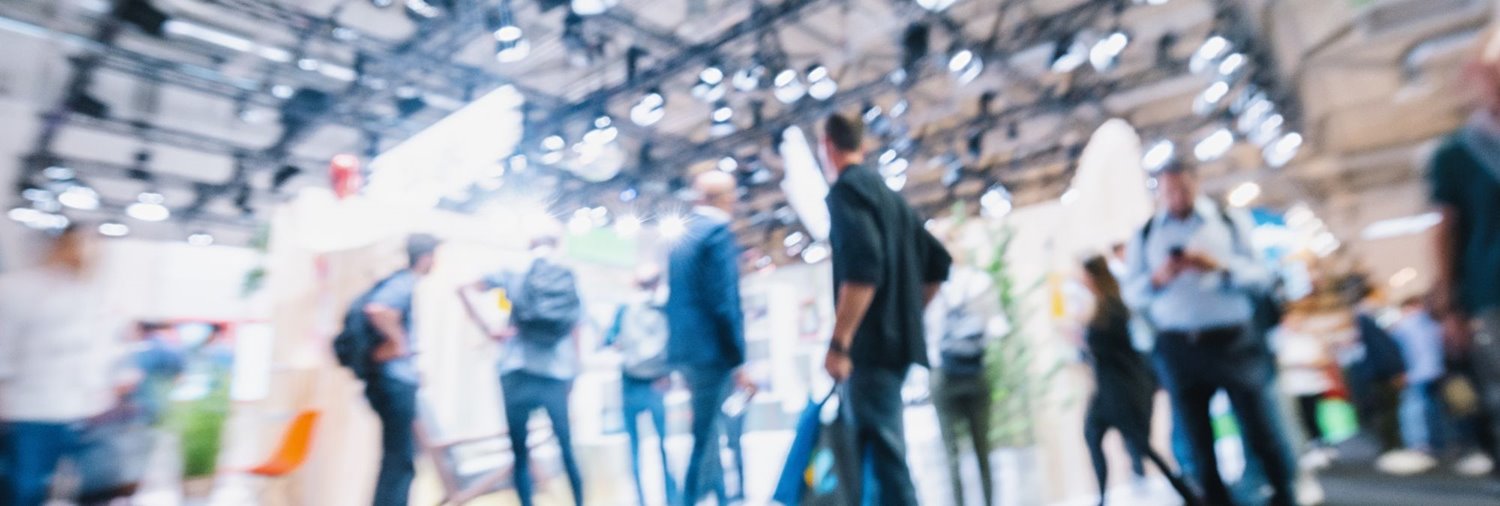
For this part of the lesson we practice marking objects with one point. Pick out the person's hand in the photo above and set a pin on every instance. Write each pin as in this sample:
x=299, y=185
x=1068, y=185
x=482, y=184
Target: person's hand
x=1200, y=261
x=504, y=334
x=1167, y=272
x=838, y=365
x=387, y=351
x=1458, y=336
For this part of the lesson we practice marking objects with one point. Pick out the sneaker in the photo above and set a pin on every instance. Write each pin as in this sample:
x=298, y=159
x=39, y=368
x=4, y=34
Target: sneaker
x=1405, y=463
x=1316, y=459
x=1309, y=490
x=1474, y=465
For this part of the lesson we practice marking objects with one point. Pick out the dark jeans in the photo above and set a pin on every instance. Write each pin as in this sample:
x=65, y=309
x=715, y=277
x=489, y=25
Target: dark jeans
x=1378, y=411
x=395, y=402
x=734, y=429
x=710, y=387
x=1307, y=412
x=1098, y=420
x=873, y=398
x=32, y=452
x=642, y=396
x=963, y=408
x=1193, y=373
x=1485, y=372
x=525, y=393
x=1423, y=426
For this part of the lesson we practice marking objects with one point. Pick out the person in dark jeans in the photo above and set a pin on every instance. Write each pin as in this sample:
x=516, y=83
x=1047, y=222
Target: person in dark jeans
x=535, y=374
x=640, y=332
x=1464, y=176
x=960, y=388
x=707, y=344
x=392, y=389
x=1194, y=271
x=1123, y=382
x=886, y=268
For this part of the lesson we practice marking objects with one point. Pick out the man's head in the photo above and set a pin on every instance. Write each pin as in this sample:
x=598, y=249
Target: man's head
x=843, y=143
x=74, y=249
x=647, y=277
x=421, y=250
x=716, y=189
x=1177, y=187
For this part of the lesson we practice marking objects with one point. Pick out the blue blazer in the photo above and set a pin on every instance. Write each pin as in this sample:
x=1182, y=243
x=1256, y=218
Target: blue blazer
x=703, y=305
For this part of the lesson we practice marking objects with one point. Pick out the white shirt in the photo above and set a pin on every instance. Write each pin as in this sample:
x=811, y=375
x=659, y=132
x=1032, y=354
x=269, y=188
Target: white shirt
x=58, y=347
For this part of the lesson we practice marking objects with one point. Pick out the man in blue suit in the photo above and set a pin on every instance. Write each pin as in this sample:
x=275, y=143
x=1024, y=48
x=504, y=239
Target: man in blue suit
x=707, y=344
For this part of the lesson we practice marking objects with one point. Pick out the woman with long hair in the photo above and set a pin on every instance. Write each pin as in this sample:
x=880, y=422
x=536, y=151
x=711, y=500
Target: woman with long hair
x=1124, y=385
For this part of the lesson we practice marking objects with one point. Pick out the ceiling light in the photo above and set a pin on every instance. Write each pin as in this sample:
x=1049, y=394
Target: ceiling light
x=149, y=207
x=113, y=229
x=672, y=227
x=1068, y=54
x=965, y=65
x=821, y=85
x=592, y=7
x=201, y=239
x=1215, y=146
x=789, y=87
x=580, y=223
x=815, y=253
x=1244, y=194
x=1281, y=152
x=508, y=33
x=79, y=197
x=1231, y=64
x=627, y=226
x=1212, y=48
x=59, y=173
x=422, y=9
x=650, y=109
x=723, y=113
x=936, y=5
x=728, y=164
x=1397, y=227
x=513, y=51
x=1158, y=155
x=1269, y=130
x=1106, y=52
x=748, y=79
x=282, y=91
x=996, y=202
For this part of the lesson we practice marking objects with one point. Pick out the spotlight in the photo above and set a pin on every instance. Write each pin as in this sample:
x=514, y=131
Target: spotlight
x=1232, y=64
x=1068, y=55
x=627, y=226
x=59, y=173
x=1267, y=131
x=502, y=24
x=113, y=229
x=871, y=112
x=1281, y=152
x=672, y=227
x=1106, y=52
x=1209, y=53
x=711, y=75
x=423, y=9
x=1208, y=101
x=789, y=87
x=749, y=78
x=936, y=5
x=996, y=202
x=592, y=7
x=821, y=85
x=79, y=197
x=200, y=239
x=711, y=86
x=604, y=132
x=965, y=65
x=723, y=113
x=149, y=206
x=1215, y=146
x=1158, y=155
x=650, y=109
x=1244, y=194
x=554, y=143
x=282, y=91
x=512, y=51
x=728, y=164
x=581, y=223
x=815, y=253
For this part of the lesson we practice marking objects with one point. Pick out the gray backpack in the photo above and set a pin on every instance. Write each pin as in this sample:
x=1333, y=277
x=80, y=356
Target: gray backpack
x=643, y=341
x=547, y=307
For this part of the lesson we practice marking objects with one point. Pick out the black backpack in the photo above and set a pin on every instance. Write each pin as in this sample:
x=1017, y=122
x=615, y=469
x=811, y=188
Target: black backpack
x=546, y=304
x=354, y=346
x=962, y=346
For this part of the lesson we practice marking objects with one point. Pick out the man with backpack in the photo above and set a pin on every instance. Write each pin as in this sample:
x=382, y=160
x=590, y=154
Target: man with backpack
x=957, y=320
x=640, y=334
x=539, y=355
x=377, y=345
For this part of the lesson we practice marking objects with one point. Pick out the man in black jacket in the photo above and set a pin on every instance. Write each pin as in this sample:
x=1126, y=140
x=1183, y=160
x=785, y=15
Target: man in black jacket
x=886, y=268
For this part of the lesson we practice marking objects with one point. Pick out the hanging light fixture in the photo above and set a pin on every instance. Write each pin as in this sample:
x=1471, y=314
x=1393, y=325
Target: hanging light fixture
x=650, y=109
x=150, y=207
x=996, y=202
x=821, y=85
x=789, y=87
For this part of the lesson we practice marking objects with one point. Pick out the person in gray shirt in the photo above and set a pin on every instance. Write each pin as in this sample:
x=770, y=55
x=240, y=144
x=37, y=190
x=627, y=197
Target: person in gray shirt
x=1193, y=272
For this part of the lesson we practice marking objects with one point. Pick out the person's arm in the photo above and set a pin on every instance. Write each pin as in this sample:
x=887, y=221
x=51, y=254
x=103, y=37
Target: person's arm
x=1446, y=246
x=1139, y=286
x=937, y=268
x=387, y=321
x=467, y=294
x=854, y=302
x=1244, y=269
x=722, y=274
x=858, y=254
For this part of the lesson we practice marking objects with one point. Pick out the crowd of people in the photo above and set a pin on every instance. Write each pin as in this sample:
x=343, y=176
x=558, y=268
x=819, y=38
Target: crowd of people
x=1187, y=307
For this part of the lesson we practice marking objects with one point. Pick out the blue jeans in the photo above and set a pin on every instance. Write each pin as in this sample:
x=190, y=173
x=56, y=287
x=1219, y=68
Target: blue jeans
x=32, y=451
x=394, y=400
x=642, y=396
x=873, y=398
x=1422, y=423
x=524, y=393
x=710, y=387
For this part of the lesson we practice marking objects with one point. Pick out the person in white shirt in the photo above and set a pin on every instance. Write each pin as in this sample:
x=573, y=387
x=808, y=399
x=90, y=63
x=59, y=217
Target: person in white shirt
x=58, y=352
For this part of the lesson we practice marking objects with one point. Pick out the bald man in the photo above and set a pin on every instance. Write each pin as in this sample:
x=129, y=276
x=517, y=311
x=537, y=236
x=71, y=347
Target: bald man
x=1465, y=180
x=707, y=343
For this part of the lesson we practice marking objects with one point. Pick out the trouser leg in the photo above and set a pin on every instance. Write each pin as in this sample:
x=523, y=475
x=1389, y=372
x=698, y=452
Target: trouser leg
x=555, y=404
x=394, y=402
x=875, y=396
x=950, y=421
x=631, y=409
x=1094, y=428
x=709, y=387
x=519, y=403
x=1260, y=429
x=33, y=452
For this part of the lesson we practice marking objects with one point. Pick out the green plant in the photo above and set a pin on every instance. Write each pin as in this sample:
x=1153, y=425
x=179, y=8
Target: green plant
x=1016, y=386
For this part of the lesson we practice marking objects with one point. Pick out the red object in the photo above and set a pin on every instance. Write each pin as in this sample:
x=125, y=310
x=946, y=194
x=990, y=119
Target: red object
x=343, y=173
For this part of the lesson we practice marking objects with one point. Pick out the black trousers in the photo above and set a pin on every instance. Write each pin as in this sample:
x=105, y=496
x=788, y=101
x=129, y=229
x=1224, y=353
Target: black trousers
x=1193, y=372
x=873, y=398
x=525, y=393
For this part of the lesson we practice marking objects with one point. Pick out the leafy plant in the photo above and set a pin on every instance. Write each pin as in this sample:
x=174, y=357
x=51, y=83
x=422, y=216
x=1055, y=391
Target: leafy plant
x=1016, y=388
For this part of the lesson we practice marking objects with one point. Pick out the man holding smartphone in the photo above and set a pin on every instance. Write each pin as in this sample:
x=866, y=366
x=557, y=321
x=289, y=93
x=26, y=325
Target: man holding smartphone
x=1193, y=272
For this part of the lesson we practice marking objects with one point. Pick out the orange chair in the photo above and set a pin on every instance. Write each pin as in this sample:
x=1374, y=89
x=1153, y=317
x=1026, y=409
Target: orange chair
x=296, y=444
